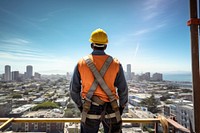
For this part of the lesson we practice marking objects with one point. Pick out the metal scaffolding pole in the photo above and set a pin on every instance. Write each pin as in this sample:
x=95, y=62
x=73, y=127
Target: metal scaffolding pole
x=194, y=23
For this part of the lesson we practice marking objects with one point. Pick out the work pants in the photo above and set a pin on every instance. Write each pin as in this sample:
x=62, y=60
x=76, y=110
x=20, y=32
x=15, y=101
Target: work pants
x=110, y=125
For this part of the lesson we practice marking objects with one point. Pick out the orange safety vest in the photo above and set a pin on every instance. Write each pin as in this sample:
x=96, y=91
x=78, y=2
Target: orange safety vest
x=87, y=77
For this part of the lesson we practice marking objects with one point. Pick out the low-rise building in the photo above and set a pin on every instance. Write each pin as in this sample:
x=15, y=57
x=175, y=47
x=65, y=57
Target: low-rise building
x=5, y=108
x=185, y=115
x=170, y=110
x=18, y=112
x=136, y=98
x=138, y=112
x=62, y=101
x=41, y=127
x=182, y=110
x=39, y=100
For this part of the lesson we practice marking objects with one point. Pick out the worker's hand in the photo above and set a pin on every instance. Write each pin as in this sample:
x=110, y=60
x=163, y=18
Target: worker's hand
x=121, y=110
x=80, y=108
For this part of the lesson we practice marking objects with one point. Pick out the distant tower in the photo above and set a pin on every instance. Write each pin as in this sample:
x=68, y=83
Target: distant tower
x=29, y=71
x=147, y=76
x=129, y=75
x=68, y=76
x=8, y=76
x=157, y=77
x=37, y=76
x=15, y=75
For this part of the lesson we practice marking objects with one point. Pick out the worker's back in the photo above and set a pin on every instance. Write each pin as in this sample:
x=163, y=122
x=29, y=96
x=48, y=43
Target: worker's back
x=97, y=83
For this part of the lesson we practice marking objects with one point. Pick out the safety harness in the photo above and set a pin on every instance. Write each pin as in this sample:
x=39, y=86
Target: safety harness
x=90, y=99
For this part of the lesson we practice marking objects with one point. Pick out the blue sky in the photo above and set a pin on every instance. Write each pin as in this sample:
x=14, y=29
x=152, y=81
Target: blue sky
x=52, y=35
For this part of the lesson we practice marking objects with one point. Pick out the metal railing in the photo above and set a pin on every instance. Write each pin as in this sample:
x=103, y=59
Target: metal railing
x=167, y=124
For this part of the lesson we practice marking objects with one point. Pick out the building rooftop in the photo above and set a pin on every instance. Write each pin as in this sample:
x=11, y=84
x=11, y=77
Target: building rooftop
x=188, y=106
x=54, y=113
x=39, y=99
x=22, y=109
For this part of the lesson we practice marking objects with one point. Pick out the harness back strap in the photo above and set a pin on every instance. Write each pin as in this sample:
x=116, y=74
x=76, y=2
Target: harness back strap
x=104, y=86
x=92, y=89
x=102, y=73
x=99, y=78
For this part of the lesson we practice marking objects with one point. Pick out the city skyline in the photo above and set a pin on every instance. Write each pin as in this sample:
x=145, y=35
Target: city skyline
x=182, y=77
x=54, y=36
x=13, y=75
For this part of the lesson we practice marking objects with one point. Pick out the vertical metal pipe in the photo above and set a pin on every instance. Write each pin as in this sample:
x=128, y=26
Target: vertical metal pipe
x=195, y=65
x=156, y=127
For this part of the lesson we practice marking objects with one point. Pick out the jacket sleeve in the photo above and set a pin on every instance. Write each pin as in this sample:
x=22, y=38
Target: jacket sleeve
x=75, y=87
x=122, y=88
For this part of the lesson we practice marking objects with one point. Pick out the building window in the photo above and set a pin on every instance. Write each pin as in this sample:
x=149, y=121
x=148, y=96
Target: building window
x=36, y=126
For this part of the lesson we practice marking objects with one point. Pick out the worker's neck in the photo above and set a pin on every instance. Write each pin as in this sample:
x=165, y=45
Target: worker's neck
x=98, y=52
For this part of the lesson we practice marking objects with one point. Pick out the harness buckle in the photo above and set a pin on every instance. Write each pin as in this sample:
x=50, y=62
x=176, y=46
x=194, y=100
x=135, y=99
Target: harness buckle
x=87, y=105
x=114, y=105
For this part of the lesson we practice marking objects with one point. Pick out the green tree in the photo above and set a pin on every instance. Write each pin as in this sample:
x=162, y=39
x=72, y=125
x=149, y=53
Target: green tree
x=17, y=96
x=69, y=113
x=151, y=103
x=70, y=105
x=45, y=105
x=165, y=97
x=76, y=112
x=26, y=93
x=41, y=88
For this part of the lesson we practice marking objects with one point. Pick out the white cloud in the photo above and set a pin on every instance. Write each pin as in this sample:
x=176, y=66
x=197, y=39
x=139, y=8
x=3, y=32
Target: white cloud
x=143, y=31
x=55, y=12
x=19, y=52
x=151, y=4
x=156, y=8
x=17, y=48
x=137, y=49
x=44, y=64
x=14, y=41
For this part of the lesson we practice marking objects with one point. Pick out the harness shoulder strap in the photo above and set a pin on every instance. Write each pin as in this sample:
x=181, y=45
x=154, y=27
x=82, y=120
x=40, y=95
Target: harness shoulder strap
x=103, y=70
x=99, y=78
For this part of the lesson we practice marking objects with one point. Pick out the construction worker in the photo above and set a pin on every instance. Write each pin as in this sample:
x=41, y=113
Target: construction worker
x=99, y=89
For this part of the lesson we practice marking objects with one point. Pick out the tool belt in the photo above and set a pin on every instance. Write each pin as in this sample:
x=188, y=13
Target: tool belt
x=108, y=116
x=97, y=101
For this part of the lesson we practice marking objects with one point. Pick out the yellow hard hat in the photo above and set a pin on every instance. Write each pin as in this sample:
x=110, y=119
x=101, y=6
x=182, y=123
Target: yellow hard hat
x=99, y=36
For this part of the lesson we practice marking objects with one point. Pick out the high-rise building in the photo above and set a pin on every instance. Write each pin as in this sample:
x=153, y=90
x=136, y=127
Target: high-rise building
x=15, y=75
x=147, y=76
x=68, y=76
x=37, y=76
x=129, y=75
x=7, y=76
x=29, y=71
x=157, y=77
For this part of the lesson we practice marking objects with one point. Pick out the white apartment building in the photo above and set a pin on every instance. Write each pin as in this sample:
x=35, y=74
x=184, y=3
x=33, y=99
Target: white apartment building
x=185, y=114
x=136, y=98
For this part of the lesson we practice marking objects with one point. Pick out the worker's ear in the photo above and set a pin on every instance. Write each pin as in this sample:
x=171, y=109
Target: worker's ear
x=105, y=47
x=92, y=45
